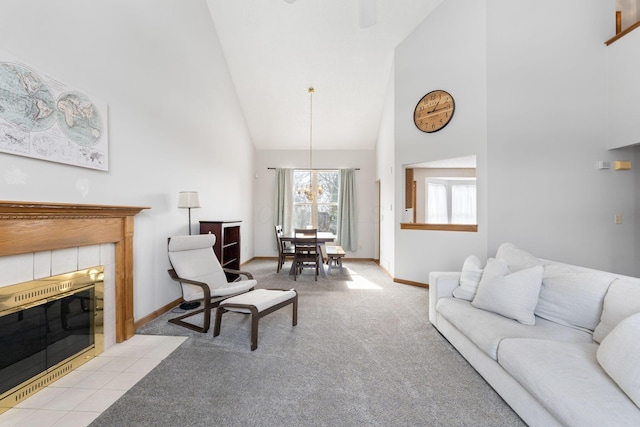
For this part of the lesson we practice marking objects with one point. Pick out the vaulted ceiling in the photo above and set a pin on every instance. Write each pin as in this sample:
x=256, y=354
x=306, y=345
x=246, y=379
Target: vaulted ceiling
x=277, y=49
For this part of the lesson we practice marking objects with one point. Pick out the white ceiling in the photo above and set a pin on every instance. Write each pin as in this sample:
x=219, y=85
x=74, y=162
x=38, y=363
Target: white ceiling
x=277, y=49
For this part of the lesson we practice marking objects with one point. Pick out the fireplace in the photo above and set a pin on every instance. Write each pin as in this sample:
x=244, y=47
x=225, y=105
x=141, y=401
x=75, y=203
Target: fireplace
x=34, y=231
x=48, y=328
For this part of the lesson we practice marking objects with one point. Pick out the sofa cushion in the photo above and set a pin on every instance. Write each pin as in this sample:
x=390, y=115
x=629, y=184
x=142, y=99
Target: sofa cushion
x=621, y=301
x=568, y=381
x=513, y=295
x=516, y=258
x=486, y=330
x=572, y=296
x=619, y=355
x=469, y=278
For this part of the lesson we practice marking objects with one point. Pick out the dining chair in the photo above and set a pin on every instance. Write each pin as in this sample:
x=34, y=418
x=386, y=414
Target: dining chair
x=285, y=249
x=307, y=252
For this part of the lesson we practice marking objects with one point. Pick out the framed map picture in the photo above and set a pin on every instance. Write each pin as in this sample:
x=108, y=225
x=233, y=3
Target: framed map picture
x=43, y=118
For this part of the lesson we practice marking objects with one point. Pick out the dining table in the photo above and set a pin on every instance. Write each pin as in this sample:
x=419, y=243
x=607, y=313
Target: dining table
x=323, y=237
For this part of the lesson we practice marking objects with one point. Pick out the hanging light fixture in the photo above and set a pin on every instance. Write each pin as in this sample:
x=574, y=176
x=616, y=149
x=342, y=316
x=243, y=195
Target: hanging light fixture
x=308, y=191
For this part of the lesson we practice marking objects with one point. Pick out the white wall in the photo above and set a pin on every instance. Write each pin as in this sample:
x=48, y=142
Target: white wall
x=636, y=161
x=547, y=106
x=530, y=83
x=385, y=164
x=265, y=183
x=623, y=102
x=174, y=119
x=447, y=51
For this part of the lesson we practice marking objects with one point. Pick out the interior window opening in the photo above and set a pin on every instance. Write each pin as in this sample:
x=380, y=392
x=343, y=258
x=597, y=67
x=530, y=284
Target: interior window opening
x=441, y=195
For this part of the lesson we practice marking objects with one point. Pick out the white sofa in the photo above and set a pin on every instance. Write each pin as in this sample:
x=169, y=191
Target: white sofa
x=572, y=357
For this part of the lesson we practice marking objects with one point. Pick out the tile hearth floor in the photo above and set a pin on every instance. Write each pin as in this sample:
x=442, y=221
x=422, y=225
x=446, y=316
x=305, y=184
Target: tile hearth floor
x=80, y=397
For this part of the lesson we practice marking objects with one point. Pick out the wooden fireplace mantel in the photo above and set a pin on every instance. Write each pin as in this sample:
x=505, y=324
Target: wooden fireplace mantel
x=27, y=227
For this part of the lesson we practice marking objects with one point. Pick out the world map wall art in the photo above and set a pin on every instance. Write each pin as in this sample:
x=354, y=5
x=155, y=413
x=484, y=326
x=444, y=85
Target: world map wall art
x=43, y=118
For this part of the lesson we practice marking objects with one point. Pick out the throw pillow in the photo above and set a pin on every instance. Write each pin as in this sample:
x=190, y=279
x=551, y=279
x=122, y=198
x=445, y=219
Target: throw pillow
x=619, y=356
x=572, y=296
x=517, y=259
x=621, y=301
x=469, y=278
x=512, y=295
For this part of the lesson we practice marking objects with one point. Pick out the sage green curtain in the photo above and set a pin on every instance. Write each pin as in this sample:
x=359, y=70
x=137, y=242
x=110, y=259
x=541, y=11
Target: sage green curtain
x=283, y=206
x=347, y=218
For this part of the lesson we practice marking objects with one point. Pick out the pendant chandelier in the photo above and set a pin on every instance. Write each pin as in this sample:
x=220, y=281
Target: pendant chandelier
x=308, y=191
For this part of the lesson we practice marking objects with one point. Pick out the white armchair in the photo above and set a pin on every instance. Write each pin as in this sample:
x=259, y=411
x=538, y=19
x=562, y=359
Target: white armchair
x=202, y=278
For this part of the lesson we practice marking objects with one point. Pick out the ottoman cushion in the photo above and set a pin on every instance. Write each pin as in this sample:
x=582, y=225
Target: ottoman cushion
x=261, y=299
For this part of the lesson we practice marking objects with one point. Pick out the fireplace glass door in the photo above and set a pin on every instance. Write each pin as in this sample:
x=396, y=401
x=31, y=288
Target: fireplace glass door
x=38, y=338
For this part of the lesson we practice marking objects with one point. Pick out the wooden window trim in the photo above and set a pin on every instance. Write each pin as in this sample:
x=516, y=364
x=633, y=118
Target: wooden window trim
x=622, y=33
x=472, y=228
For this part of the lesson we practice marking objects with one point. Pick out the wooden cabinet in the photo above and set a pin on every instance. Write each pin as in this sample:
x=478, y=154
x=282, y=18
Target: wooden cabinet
x=227, y=247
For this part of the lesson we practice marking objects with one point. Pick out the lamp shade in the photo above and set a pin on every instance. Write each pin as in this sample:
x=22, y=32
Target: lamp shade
x=188, y=199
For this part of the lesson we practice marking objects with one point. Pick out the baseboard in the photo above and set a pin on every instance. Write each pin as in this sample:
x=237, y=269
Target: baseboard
x=384, y=269
x=409, y=282
x=404, y=282
x=155, y=314
x=255, y=258
x=275, y=258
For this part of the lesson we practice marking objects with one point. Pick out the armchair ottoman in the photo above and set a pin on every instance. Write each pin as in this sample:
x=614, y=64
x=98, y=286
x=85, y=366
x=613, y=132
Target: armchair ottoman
x=258, y=303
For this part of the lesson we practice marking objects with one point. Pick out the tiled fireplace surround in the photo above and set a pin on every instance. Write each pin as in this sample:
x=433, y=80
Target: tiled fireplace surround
x=38, y=265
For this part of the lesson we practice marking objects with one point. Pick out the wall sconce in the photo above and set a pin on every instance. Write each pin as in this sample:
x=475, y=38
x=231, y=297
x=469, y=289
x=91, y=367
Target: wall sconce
x=188, y=199
x=622, y=165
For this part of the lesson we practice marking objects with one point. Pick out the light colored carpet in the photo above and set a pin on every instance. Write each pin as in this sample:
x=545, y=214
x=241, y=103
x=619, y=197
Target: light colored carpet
x=363, y=354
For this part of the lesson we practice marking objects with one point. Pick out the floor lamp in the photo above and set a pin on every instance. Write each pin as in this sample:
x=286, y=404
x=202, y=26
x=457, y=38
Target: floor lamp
x=188, y=199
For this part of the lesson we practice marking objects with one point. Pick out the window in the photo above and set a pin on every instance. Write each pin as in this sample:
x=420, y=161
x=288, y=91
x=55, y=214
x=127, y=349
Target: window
x=463, y=204
x=449, y=195
x=437, y=212
x=315, y=199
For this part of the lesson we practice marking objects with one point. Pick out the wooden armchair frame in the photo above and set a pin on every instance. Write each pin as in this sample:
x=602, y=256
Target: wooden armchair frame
x=209, y=303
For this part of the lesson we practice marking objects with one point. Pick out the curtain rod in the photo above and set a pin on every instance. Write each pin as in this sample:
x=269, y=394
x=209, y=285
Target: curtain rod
x=319, y=169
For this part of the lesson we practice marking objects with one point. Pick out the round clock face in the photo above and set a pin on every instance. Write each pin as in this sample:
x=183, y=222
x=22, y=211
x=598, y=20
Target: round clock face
x=434, y=111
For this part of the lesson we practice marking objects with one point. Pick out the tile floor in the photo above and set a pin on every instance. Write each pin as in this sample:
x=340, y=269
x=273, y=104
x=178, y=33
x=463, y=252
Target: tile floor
x=79, y=397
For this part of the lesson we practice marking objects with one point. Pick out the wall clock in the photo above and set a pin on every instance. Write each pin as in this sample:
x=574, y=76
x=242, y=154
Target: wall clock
x=434, y=111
